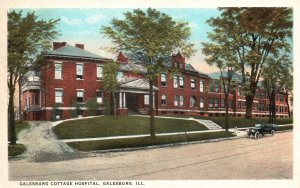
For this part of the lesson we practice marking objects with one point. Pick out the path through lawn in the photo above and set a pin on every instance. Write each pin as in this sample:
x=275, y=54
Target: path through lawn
x=41, y=144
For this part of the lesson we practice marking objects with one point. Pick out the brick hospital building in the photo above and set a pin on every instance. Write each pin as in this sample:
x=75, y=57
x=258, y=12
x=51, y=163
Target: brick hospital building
x=72, y=76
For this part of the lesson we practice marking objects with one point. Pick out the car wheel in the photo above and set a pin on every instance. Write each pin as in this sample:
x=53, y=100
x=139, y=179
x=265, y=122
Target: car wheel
x=256, y=135
x=272, y=132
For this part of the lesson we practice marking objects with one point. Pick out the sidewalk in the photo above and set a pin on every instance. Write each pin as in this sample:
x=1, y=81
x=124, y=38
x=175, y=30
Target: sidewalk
x=134, y=136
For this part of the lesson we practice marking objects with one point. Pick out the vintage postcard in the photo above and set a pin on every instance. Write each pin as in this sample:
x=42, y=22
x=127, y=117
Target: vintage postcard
x=149, y=94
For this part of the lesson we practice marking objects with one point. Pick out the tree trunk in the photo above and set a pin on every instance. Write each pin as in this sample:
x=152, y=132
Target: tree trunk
x=11, y=115
x=249, y=99
x=270, y=107
x=249, y=104
x=287, y=103
x=152, y=126
x=226, y=115
x=20, y=103
x=274, y=107
x=115, y=104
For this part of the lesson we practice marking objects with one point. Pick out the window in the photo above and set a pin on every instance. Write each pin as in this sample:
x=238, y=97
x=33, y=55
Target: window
x=175, y=100
x=99, y=72
x=79, y=71
x=163, y=99
x=80, y=95
x=211, y=103
x=120, y=76
x=239, y=104
x=181, y=82
x=216, y=103
x=217, y=88
x=192, y=101
x=193, y=86
x=201, y=102
x=146, y=99
x=175, y=81
x=181, y=66
x=201, y=86
x=176, y=65
x=181, y=100
x=223, y=103
x=58, y=96
x=99, y=97
x=58, y=68
x=163, y=79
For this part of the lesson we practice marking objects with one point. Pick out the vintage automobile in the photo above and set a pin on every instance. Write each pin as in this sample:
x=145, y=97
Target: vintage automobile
x=261, y=129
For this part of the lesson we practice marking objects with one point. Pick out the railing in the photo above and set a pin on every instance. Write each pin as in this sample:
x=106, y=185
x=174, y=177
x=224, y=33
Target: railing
x=32, y=108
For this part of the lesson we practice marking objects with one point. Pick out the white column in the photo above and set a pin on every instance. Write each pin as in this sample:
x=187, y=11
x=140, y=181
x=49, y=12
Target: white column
x=27, y=99
x=124, y=100
x=153, y=101
x=40, y=98
x=120, y=100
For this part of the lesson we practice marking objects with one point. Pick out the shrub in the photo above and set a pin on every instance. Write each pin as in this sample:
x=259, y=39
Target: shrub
x=17, y=149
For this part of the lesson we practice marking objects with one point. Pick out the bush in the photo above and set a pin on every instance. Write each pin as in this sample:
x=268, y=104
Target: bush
x=281, y=128
x=14, y=150
x=145, y=141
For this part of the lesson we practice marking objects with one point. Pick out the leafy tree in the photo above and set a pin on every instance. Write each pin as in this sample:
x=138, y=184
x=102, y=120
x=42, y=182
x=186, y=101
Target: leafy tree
x=220, y=56
x=277, y=78
x=92, y=107
x=27, y=37
x=110, y=81
x=252, y=35
x=148, y=37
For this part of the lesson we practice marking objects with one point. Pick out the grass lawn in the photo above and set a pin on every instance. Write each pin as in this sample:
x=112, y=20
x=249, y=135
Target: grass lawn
x=146, y=141
x=120, y=126
x=20, y=125
x=14, y=150
x=18, y=149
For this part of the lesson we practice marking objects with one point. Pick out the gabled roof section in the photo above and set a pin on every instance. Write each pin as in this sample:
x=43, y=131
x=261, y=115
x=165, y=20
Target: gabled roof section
x=73, y=52
x=140, y=84
x=133, y=67
x=216, y=76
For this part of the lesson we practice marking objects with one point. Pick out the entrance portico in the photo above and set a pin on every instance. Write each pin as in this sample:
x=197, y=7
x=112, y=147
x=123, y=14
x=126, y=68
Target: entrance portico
x=134, y=96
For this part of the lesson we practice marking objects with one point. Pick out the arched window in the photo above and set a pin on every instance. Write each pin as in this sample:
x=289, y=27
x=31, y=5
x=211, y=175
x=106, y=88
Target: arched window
x=201, y=86
x=192, y=101
x=181, y=100
x=176, y=100
x=163, y=99
x=201, y=102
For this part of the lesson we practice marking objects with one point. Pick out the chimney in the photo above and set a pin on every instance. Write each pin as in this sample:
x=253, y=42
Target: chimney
x=58, y=45
x=81, y=46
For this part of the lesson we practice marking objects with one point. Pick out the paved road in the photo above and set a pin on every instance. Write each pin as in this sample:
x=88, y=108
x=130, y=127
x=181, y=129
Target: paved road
x=266, y=158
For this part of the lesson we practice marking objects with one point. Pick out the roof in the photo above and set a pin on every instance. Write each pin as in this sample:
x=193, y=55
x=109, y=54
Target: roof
x=73, y=52
x=133, y=67
x=216, y=76
x=136, y=83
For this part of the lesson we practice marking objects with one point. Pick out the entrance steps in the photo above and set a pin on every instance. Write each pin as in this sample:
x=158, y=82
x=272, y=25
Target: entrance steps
x=209, y=124
x=143, y=112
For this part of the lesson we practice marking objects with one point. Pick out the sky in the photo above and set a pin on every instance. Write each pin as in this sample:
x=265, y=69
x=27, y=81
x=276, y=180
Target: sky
x=83, y=26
